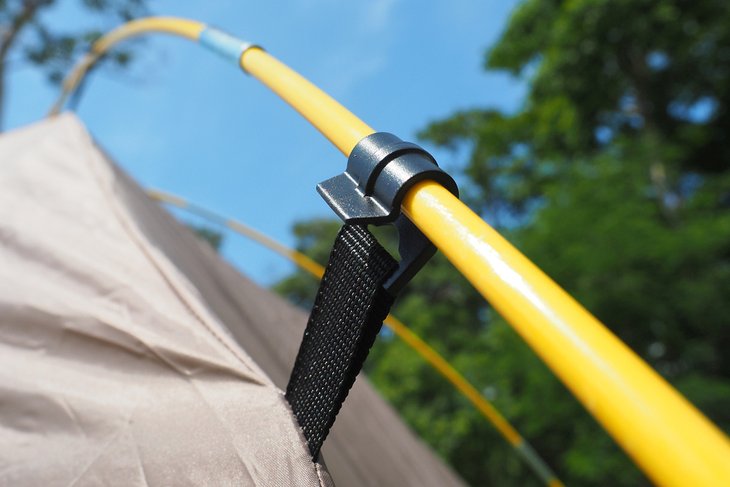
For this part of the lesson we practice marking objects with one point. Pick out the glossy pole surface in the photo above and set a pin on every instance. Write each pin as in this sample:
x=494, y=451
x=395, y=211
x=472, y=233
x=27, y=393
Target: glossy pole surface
x=333, y=120
x=664, y=434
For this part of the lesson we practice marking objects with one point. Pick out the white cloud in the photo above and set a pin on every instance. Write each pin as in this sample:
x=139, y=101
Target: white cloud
x=343, y=81
x=378, y=14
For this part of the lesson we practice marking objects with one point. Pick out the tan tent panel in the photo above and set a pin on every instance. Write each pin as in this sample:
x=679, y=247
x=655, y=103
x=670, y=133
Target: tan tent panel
x=130, y=354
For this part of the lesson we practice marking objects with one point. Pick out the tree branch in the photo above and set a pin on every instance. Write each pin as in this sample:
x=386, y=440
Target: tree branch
x=10, y=35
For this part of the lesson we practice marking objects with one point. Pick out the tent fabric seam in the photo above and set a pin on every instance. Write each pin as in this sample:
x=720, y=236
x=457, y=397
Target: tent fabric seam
x=140, y=243
x=111, y=299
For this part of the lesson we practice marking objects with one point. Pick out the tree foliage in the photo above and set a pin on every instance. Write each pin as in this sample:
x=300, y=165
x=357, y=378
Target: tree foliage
x=207, y=234
x=27, y=36
x=614, y=177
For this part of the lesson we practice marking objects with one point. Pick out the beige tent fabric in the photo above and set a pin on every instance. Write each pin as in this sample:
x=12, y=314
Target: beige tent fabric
x=112, y=370
x=122, y=343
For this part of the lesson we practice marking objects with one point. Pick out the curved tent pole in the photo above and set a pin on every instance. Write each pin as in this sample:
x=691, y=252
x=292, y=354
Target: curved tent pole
x=427, y=353
x=665, y=435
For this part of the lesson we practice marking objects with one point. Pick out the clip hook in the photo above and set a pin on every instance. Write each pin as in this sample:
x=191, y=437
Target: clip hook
x=380, y=171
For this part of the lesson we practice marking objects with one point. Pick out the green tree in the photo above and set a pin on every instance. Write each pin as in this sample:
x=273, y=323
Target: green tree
x=26, y=36
x=614, y=177
x=207, y=234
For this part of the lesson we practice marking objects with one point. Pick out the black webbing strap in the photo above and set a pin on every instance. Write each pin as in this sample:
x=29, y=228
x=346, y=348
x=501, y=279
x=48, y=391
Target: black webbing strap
x=348, y=312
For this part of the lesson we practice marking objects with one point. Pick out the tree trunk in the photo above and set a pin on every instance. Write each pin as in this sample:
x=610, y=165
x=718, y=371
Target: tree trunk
x=8, y=38
x=635, y=66
x=2, y=93
x=4, y=48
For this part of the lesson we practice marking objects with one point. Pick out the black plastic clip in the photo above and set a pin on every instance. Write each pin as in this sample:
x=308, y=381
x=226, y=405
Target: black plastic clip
x=380, y=171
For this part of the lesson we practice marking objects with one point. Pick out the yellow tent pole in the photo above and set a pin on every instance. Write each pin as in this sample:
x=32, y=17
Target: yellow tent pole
x=189, y=29
x=664, y=434
x=337, y=123
x=668, y=438
x=431, y=356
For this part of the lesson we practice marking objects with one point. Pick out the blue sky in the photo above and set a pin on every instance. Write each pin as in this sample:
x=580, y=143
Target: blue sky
x=186, y=121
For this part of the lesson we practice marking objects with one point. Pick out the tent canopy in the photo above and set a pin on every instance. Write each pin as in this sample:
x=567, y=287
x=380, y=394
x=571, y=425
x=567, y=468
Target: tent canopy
x=130, y=353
